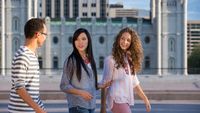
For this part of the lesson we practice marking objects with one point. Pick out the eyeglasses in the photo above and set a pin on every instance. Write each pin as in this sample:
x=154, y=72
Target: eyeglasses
x=44, y=33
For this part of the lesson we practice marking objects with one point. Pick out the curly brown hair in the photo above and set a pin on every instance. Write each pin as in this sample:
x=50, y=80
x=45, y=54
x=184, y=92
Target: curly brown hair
x=134, y=52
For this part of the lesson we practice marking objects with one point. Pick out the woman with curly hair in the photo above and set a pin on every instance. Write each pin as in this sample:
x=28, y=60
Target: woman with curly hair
x=121, y=68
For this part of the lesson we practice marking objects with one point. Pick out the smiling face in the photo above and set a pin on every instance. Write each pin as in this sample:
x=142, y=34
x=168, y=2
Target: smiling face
x=81, y=43
x=125, y=41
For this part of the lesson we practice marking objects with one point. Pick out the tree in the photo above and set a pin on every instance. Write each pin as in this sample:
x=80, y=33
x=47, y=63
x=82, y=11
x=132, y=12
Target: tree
x=194, y=61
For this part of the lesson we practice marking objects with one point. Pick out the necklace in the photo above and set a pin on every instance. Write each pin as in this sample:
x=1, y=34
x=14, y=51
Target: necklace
x=126, y=68
x=85, y=59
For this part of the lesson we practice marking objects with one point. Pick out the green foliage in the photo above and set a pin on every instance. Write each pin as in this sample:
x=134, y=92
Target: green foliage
x=194, y=61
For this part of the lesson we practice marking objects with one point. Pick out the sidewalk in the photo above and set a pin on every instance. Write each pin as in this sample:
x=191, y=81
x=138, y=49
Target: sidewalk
x=171, y=87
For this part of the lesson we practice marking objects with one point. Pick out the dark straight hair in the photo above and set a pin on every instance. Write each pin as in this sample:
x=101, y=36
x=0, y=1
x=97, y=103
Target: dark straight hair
x=79, y=61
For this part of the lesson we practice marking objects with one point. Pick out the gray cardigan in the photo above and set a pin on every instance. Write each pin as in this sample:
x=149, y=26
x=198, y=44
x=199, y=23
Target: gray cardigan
x=86, y=83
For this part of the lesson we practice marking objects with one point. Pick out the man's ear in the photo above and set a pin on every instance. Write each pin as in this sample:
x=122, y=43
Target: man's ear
x=36, y=35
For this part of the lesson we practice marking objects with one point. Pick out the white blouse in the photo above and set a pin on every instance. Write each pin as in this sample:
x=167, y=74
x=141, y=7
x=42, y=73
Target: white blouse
x=121, y=90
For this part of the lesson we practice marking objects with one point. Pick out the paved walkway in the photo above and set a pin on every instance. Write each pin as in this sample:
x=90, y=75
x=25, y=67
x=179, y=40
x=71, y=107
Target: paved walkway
x=169, y=87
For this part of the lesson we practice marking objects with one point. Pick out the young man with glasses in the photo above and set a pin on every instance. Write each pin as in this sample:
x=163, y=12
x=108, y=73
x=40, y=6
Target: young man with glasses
x=24, y=95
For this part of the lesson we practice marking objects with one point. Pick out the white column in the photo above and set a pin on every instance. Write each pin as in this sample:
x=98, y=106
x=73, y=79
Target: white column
x=53, y=8
x=8, y=37
x=29, y=8
x=35, y=8
x=158, y=11
x=89, y=9
x=179, y=39
x=62, y=8
x=185, y=38
x=62, y=52
x=43, y=8
x=71, y=8
x=47, y=46
x=153, y=11
x=3, y=38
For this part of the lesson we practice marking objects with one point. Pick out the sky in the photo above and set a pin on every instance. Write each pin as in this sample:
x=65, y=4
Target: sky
x=193, y=6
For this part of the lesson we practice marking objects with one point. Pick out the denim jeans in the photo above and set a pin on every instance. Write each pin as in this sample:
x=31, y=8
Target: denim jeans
x=80, y=110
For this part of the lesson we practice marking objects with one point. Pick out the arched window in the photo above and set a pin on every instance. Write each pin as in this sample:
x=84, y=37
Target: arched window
x=40, y=62
x=55, y=40
x=101, y=62
x=171, y=45
x=147, y=39
x=147, y=62
x=15, y=24
x=55, y=62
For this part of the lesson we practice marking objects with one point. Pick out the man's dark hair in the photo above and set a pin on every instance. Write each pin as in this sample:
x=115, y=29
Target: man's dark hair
x=32, y=26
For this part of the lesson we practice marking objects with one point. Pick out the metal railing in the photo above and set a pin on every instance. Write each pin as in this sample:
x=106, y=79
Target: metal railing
x=149, y=71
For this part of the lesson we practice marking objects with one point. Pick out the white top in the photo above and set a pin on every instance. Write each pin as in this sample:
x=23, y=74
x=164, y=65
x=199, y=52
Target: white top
x=121, y=90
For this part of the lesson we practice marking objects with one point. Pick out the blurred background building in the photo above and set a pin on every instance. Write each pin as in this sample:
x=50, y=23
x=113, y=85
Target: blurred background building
x=163, y=31
x=73, y=8
x=117, y=10
x=193, y=35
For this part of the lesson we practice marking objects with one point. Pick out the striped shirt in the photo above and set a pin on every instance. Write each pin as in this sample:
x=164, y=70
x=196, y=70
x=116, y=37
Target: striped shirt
x=25, y=73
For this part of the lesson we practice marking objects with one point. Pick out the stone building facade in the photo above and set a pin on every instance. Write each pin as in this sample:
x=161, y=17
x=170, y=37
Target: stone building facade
x=163, y=36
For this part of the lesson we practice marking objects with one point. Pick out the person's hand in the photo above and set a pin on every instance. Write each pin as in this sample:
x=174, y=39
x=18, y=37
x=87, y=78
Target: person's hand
x=40, y=110
x=86, y=95
x=105, y=85
x=148, y=106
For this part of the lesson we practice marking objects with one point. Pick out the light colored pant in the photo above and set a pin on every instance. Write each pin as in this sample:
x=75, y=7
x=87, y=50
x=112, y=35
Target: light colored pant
x=121, y=108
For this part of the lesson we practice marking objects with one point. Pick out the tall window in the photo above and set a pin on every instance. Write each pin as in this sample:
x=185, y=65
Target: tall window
x=40, y=62
x=75, y=8
x=147, y=62
x=171, y=45
x=15, y=24
x=101, y=40
x=16, y=45
x=70, y=39
x=66, y=8
x=103, y=8
x=55, y=62
x=48, y=8
x=101, y=62
x=171, y=62
x=57, y=8
x=147, y=39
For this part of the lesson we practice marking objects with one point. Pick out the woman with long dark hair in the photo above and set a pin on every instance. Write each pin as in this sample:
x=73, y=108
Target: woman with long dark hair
x=79, y=78
x=121, y=68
